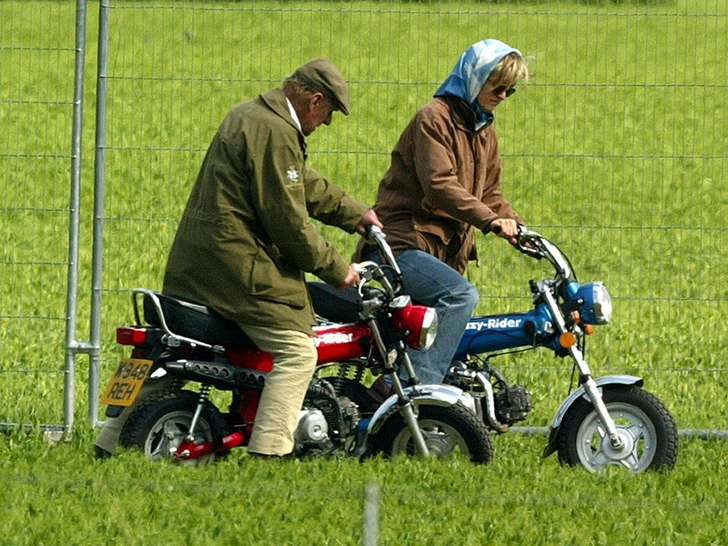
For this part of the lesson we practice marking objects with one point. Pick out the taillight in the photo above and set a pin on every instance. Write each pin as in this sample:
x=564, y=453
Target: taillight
x=128, y=335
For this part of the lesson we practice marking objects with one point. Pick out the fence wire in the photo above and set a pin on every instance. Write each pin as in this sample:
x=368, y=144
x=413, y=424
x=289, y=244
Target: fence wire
x=616, y=150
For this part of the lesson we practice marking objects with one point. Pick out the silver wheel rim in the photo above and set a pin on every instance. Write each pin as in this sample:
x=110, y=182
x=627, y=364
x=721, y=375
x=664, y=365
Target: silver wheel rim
x=636, y=430
x=167, y=434
x=441, y=439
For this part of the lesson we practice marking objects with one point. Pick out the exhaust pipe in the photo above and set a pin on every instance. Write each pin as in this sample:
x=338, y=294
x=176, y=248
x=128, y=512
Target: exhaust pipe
x=222, y=376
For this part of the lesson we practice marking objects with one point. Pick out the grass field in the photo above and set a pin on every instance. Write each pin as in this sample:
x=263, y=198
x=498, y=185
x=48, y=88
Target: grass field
x=59, y=494
x=616, y=150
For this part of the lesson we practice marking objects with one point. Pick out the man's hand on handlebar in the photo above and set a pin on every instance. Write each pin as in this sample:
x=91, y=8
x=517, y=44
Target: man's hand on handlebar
x=352, y=278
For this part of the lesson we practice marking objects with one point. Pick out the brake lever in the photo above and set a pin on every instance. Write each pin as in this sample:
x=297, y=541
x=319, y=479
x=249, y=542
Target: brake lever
x=373, y=271
x=525, y=243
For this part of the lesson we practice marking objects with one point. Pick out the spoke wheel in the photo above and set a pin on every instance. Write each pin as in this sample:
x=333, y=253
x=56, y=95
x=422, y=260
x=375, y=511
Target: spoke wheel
x=160, y=424
x=447, y=430
x=647, y=432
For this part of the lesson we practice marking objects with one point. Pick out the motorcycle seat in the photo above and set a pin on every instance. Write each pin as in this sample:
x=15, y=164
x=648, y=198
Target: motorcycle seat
x=333, y=304
x=195, y=321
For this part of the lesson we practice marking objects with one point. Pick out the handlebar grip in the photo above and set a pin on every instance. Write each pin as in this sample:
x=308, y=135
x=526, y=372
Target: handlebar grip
x=372, y=230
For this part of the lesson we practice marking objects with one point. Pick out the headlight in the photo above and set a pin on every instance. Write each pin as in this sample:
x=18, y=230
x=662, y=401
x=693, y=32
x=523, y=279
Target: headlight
x=429, y=328
x=597, y=308
x=419, y=321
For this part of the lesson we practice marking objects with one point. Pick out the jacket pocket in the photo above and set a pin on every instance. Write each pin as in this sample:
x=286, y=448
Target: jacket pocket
x=269, y=282
x=443, y=229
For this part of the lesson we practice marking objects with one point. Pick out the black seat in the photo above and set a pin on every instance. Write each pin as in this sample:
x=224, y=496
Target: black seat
x=195, y=321
x=333, y=304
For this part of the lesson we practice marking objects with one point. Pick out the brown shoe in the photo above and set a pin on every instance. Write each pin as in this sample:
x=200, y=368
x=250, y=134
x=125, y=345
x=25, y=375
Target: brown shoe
x=380, y=390
x=270, y=456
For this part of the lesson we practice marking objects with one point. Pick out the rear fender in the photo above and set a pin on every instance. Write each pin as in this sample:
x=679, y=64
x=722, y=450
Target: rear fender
x=601, y=382
x=433, y=395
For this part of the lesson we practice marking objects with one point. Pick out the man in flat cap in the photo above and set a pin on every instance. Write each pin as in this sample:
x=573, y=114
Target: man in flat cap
x=246, y=240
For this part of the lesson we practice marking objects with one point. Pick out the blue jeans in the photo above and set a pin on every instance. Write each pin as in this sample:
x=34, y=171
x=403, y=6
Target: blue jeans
x=433, y=283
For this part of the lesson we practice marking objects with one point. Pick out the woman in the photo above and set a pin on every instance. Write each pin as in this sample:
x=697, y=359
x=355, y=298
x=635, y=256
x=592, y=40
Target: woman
x=443, y=184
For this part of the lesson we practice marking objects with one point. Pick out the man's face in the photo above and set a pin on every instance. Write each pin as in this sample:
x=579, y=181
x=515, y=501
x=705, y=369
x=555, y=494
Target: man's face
x=319, y=110
x=491, y=96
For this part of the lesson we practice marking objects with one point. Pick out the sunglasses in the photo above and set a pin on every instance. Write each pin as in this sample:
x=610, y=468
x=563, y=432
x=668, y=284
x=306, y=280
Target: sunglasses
x=508, y=90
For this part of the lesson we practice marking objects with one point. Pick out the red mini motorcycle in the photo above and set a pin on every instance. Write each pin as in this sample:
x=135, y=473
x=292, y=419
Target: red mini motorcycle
x=177, y=344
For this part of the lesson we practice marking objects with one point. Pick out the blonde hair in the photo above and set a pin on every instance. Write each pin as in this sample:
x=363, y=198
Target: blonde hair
x=509, y=71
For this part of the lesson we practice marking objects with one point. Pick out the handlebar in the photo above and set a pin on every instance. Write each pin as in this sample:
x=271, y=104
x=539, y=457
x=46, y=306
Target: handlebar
x=528, y=242
x=535, y=245
x=376, y=235
x=372, y=270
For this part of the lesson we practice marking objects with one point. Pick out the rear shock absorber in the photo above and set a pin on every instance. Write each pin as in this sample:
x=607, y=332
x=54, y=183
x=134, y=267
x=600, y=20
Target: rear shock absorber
x=201, y=401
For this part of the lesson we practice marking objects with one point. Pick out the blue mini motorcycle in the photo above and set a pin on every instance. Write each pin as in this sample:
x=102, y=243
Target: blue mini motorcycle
x=608, y=420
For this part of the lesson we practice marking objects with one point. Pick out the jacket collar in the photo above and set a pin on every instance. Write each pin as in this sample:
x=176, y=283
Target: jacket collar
x=276, y=100
x=463, y=115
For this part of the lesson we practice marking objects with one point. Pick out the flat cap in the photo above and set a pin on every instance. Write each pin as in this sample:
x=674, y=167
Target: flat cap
x=322, y=76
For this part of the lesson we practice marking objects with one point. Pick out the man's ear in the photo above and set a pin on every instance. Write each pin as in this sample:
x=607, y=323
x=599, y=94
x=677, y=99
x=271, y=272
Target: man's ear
x=316, y=99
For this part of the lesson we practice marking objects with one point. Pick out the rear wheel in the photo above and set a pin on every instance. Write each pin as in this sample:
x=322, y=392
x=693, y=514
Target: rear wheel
x=648, y=432
x=447, y=430
x=159, y=425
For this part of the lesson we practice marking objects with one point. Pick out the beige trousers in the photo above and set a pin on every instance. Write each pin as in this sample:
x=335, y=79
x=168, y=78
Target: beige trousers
x=294, y=361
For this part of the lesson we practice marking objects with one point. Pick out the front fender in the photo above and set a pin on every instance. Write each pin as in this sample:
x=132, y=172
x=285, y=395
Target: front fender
x=430, y=394
x=601, y=382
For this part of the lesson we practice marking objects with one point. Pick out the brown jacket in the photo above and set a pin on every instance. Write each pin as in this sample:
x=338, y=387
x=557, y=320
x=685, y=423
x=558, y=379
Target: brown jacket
x=246, y=239
x=444, y=180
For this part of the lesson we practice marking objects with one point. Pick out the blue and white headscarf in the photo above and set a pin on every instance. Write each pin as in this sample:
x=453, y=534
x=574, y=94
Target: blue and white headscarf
x=470, y=73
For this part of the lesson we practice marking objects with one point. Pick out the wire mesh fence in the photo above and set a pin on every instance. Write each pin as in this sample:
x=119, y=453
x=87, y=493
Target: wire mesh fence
x=616, y=149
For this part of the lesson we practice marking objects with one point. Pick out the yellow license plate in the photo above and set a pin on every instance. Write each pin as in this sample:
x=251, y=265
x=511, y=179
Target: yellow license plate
x=124, y=387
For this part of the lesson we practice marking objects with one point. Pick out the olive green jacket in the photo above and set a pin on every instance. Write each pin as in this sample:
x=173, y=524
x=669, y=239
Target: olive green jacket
x=246, y=238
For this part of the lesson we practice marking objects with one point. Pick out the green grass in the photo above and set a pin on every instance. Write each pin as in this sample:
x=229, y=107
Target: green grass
x=59, y=494
x=615, y=150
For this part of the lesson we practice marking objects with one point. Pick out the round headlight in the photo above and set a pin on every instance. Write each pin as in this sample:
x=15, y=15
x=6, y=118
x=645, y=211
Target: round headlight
x=420, y=323
x=597, y=308
x=429, y=328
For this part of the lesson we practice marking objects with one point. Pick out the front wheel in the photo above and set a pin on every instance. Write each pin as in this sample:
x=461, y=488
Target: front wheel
x=160, y=424
x=648, y=432
x=447, y=430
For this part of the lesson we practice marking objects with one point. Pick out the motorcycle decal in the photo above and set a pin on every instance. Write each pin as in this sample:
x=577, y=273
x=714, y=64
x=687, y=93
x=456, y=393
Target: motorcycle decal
x=494, y=324
x=332, y=339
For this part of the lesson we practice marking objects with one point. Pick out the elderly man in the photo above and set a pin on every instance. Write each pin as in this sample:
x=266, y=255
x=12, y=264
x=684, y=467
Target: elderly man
x=246, y=238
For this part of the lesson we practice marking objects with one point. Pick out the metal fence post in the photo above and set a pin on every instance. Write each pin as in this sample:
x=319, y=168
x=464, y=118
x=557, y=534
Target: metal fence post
x=371, y=513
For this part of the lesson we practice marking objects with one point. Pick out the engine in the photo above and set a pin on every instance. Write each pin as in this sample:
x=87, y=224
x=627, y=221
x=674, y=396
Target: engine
x=501, y=404
x=326, y=421
x=513, y=403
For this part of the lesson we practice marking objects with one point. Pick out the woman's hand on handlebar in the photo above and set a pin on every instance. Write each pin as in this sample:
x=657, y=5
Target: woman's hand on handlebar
x=370, y=218
x=505, y=228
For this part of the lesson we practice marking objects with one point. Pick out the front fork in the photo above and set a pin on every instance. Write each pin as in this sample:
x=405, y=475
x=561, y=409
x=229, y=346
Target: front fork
x=406, y=406
x=592, y=391
x=585, y=378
